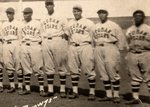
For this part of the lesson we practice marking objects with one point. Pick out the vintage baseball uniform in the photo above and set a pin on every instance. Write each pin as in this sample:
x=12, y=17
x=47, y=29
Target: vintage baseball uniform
x=54, y=46
x=139, y=55
x=80, y=55
x=109, y=39
x=11, y=47
x=31, y=51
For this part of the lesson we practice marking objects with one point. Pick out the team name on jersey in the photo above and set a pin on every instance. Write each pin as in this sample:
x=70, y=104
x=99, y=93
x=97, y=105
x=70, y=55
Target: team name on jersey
x=78, y=28
x=51, y=23
x=11, y=30
x=138, y=35
x=102, y=33
x=30, y=30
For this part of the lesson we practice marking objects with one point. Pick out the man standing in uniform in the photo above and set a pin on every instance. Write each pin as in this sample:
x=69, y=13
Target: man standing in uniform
x=11, y=49
x=54, y=47
x=138, y=57
x=109, y=39
x=81, y=54
x=31, y=51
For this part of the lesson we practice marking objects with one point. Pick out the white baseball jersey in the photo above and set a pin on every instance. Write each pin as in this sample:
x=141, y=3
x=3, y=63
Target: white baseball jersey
x=53, y=25
x=137, y=37
x=80, y=30
x=109, y=32
x=31, y=31
x=11, y=30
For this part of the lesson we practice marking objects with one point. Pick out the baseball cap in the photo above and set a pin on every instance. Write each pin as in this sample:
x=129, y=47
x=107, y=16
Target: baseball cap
x=28, y=10
x=50, y=2
x=102, y=11
x=138, y=11
x=10, y=10
x=77, y=6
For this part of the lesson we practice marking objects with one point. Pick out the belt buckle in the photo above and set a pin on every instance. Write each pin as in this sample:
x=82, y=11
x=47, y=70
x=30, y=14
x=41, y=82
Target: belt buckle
x=101, y=44
x=77, y=44
x=28, y=44
x=8, y=42
x=49, y=38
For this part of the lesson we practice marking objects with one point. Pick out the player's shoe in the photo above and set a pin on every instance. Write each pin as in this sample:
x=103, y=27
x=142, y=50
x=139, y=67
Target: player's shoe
x=20, y=90
x=91, y=97
x=105, y=99
x=43, y=93
x=133, y=101
x=25, y=92
x=73, y=96
x=11, y=90
x=116, y=99
x=1, y=89
x=50, y=94
x=63, y=95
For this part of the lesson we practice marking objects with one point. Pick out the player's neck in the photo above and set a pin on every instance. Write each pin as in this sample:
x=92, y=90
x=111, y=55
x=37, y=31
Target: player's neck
x=50, y=13
x=78, y=18
x=103, y=21
x=28, y=20
x=138, y=24
x=10, y=20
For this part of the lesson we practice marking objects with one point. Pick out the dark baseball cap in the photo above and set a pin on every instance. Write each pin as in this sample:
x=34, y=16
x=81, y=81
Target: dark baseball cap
x=102, y=11
x=138, y=11
x=77, y=6
x=27, y=10
x=50, y=2
x=10, y=10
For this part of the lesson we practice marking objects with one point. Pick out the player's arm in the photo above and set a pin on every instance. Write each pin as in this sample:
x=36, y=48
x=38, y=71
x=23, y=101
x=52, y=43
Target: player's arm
x=91, y=29
x=122, y=41
x=65, y=29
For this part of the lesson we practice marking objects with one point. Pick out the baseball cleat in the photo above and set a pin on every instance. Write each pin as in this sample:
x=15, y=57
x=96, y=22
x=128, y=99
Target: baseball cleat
x=73, y=96
x=43, y=93
x=50, y=94
x=63, y=95
x=20, y=90
x=105, y=99
x=133, y=101
x=25, y=92
x=116, y=100
x=1, y=89
x=11, y=90
x=91, y=97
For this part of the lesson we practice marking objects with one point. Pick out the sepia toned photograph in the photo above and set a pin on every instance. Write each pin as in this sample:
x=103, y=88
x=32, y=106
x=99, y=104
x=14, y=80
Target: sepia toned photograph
x=74, y=53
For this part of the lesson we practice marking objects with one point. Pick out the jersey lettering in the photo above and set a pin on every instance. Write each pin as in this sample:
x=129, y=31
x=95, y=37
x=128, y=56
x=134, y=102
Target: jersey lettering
x=138, y=35
x=29, y=30
x=102, y=33
x=11, y=30
x=78, y=28
x=51, y=23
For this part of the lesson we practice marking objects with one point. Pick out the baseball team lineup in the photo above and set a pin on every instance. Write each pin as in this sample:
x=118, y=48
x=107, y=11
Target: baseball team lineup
x=78, y=45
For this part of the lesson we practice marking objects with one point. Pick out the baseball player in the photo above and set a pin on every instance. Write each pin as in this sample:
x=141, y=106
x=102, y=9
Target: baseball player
x=1, y=60
x=31, y=53
x=80, y=55
x=54, y=47
x=138, y=57
x=109, y=39
x=11, y=46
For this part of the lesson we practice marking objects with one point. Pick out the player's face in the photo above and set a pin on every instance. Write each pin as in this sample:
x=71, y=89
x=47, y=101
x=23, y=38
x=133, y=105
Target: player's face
x=50, y=8
x=77, y=14
x=103, y=17
x=27, y=16
x=10, y=16
x=138, y=18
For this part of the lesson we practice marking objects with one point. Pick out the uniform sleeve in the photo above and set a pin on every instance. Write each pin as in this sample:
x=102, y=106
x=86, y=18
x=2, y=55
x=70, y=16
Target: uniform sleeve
x=91, y=26
x=64, y=24
x=122, y=42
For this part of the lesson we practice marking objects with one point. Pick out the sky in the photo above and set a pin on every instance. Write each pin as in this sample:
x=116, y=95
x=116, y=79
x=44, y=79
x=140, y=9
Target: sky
x=116, y=8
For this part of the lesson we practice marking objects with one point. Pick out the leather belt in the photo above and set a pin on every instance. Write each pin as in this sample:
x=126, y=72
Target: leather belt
x=29, y=44
x=76, y=44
